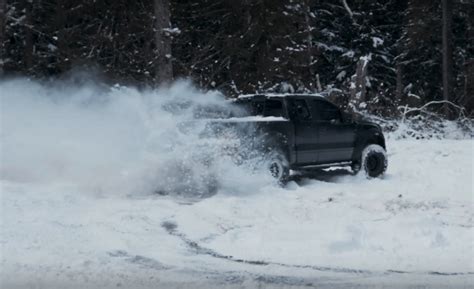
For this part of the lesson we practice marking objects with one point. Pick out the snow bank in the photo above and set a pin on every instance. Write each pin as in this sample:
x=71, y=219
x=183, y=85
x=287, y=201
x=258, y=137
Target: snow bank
x=114, y=139
x=422, y=126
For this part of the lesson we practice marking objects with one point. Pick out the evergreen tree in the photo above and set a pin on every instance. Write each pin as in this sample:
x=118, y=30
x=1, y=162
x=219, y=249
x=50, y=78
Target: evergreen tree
x=368, y=55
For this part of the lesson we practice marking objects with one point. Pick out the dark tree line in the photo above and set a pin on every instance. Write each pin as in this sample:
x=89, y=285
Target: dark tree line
x=368, y=55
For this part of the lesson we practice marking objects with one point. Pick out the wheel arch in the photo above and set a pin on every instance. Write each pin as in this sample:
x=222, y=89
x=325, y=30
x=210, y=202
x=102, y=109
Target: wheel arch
x=277, y=142
x=365, y=139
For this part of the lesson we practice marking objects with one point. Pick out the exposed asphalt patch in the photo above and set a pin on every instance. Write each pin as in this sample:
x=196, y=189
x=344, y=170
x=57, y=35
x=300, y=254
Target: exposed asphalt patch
x=172, y=229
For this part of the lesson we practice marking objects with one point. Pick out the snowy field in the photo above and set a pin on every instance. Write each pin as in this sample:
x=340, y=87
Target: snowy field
x=78, y=212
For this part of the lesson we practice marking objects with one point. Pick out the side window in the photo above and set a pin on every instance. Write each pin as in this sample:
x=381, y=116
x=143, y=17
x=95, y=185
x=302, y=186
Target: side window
x=257, y=108
x=273, y=108
x=327, y=111
x=300, y=110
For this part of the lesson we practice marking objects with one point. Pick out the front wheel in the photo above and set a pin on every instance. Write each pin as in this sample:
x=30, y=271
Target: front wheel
x=374, y=161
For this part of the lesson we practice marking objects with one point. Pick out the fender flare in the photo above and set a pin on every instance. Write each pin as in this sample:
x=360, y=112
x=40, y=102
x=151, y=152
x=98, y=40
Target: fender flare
x=367, y=138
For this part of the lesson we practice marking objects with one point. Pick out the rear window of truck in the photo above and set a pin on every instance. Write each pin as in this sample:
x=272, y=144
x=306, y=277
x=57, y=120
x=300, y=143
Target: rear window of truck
x=273, y=108
x=267, y=107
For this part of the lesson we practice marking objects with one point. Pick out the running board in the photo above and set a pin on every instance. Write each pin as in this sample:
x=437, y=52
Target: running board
x=340, y=164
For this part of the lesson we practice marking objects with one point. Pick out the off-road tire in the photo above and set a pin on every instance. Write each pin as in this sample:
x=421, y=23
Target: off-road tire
x=278, y=167
x=374, y=161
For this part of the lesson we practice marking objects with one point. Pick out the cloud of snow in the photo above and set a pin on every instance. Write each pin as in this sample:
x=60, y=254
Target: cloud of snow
x=117, y=139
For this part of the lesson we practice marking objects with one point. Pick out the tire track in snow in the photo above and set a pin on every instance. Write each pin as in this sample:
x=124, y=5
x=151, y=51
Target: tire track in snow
x=139, y=260
x=171, y=228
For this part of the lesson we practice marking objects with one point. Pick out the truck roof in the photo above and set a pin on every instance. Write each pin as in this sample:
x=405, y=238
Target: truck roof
x=278, y=95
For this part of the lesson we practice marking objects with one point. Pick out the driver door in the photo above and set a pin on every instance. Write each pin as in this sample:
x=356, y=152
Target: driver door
x=335, y=137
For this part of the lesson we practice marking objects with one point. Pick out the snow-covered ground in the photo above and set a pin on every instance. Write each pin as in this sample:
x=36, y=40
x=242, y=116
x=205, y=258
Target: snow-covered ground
x=73, y=216
x=415, y=226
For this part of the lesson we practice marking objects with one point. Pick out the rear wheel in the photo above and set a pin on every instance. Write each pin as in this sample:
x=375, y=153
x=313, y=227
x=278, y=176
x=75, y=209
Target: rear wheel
x=278, y=167
x=374, y=161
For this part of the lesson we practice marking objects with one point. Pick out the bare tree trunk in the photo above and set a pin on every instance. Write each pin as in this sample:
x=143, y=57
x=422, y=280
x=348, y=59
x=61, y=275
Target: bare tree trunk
x=163, y=65
x=468, y=100
x=399, y=88
x=447, y=52
x=3, y=22
x=309, y=50
x=29, y=45
x=61, y=43
x=358, y=84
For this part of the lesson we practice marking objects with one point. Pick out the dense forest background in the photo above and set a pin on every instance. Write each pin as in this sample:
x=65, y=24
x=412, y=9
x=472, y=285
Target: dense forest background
x=366, y=55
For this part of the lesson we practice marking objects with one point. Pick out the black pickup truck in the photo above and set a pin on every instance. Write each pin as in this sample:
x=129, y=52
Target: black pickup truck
x=302, y=131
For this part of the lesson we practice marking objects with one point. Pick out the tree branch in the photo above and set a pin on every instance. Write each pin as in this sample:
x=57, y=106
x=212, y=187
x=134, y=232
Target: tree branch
x=344, y=2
